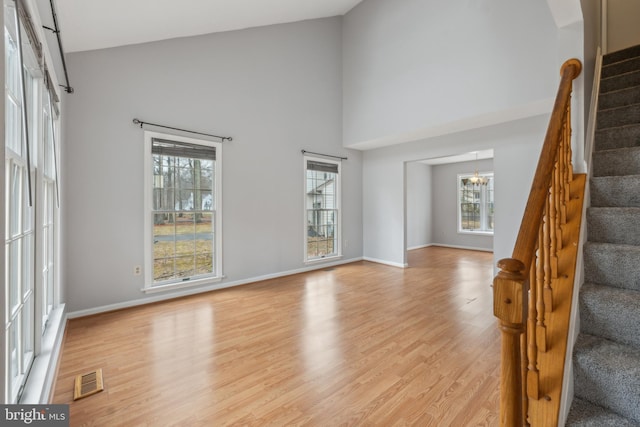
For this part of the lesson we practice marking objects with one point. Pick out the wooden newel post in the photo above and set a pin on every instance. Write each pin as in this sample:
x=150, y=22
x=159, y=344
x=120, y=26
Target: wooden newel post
x=509, y=306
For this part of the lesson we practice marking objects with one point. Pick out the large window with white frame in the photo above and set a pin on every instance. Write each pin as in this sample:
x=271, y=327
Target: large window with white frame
x=183, y=223
x=28, y=181
x=475, y=203
x=322, y=236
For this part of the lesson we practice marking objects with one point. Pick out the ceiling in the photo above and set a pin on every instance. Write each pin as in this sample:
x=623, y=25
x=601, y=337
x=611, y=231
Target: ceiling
x=97, y=24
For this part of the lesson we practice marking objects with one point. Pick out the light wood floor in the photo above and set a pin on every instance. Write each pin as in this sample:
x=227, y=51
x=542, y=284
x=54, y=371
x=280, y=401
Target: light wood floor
x=361, y=345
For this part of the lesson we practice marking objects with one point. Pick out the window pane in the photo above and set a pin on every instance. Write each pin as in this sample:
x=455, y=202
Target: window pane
x=14, y=274
x=27, y=263
x=15, y=200
x=183, y=188
x=321, y=202
x=27, y=334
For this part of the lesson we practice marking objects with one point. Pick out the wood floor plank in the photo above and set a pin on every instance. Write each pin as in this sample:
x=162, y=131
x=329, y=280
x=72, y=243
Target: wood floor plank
x=359, y=344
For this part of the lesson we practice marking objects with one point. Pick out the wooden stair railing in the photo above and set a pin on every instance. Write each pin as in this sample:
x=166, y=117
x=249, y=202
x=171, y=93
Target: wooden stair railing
x=524, y=289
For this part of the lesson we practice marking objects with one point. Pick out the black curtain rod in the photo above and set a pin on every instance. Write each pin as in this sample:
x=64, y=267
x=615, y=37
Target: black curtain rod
x=56, y=30
x=141, y=123
x=325, y=155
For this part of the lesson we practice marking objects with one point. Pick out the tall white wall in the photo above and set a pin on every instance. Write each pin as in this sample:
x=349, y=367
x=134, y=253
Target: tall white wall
x=419, y=204
x=516, y=148
x=623, y=29
x=275, y=90
x=445, y=206
x=415, y=68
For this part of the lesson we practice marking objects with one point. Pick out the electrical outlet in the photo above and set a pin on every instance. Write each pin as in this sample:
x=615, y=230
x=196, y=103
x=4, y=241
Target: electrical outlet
x=137, y=270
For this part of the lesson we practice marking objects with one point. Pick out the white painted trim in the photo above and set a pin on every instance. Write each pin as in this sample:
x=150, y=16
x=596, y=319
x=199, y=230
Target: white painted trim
x=381, y=261
x=468, y=248
x=39, y=386
x=593, y=112
x=187, y=292
x=604, y=26
x=412, y=248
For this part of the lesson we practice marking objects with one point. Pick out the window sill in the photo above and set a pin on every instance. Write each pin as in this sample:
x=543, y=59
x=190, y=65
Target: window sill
x=478, y=233
x=321, y=260
x=181, y=285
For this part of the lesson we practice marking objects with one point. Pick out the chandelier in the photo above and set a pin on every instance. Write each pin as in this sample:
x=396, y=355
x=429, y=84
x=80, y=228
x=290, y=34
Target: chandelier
x=476, y=178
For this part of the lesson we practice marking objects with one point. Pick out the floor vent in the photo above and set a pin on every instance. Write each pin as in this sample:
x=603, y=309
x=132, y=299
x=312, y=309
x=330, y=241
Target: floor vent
x=88, y=384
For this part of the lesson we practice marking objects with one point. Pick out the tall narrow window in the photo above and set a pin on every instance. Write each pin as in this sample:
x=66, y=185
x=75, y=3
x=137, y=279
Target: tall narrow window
x=183, y=182
x=475, y=207
x=322, y=209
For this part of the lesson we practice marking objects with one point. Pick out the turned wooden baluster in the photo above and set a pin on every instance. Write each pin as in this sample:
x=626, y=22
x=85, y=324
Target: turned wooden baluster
x=557, y=195
x=546, y=249
x=567, y=140
x=552, y=213
x=541, y=327
x=533, y=377
x=509, y=302
x=523, y=372
x=562, y=162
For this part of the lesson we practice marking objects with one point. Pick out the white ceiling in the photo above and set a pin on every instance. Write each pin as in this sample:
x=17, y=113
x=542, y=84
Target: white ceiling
x=97, y=24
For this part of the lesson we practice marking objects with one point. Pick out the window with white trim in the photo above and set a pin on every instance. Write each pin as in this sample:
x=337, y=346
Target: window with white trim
x=183, y=211
x=475, y=203
x=322, y=209
x=32, y=222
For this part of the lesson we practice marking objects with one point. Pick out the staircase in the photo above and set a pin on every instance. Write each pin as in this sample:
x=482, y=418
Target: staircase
x=606, y=356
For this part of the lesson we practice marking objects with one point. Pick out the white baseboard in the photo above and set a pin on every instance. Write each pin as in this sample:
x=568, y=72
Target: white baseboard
x=469, y=248
x=187, y=292
x=391, y=263
x=419, y=247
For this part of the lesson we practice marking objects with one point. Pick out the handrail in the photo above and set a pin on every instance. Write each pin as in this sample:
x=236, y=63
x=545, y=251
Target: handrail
x=527, y=236
x=522, y=321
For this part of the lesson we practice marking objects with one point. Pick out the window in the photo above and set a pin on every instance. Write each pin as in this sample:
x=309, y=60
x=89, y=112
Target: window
x=183, y=220
x=475, y=208
x=322, y=209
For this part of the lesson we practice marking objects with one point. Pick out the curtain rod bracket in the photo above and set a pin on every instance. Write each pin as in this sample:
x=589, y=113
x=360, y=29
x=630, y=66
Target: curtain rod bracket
x=141, y=123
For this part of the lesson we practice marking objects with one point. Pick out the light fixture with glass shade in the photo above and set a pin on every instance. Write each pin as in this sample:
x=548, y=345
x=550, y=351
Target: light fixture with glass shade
x=476, y=178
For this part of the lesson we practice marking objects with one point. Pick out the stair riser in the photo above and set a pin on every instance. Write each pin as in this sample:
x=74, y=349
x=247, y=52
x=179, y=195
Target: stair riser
x=621, y=67
x=617, y=162
x=621, y=55
x=619, y=98
x=620, y=137
x=610, y=313
x=622, y=81
x=618, y=191
x=623, y=116
x=614, y=225
x=612, y=265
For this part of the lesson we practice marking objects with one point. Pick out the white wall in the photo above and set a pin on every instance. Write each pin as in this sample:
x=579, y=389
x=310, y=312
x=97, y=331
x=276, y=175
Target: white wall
x=275, y=90
x=445, y=206
x=419, y=205
x=415, y=68
x=623, y=29
x=516, y=148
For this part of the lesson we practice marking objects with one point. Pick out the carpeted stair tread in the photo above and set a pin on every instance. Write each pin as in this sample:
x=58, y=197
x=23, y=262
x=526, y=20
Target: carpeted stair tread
x=617, y=137
x=619, y=116
x=586, y=414
x=614, y=225
x=621, y=55
x=619, y=98
x=610, y=313
x=621, y=191
x=616, y=162
x=621, y=67
x=612, y=264
x=608, y=373
x=620, y=81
